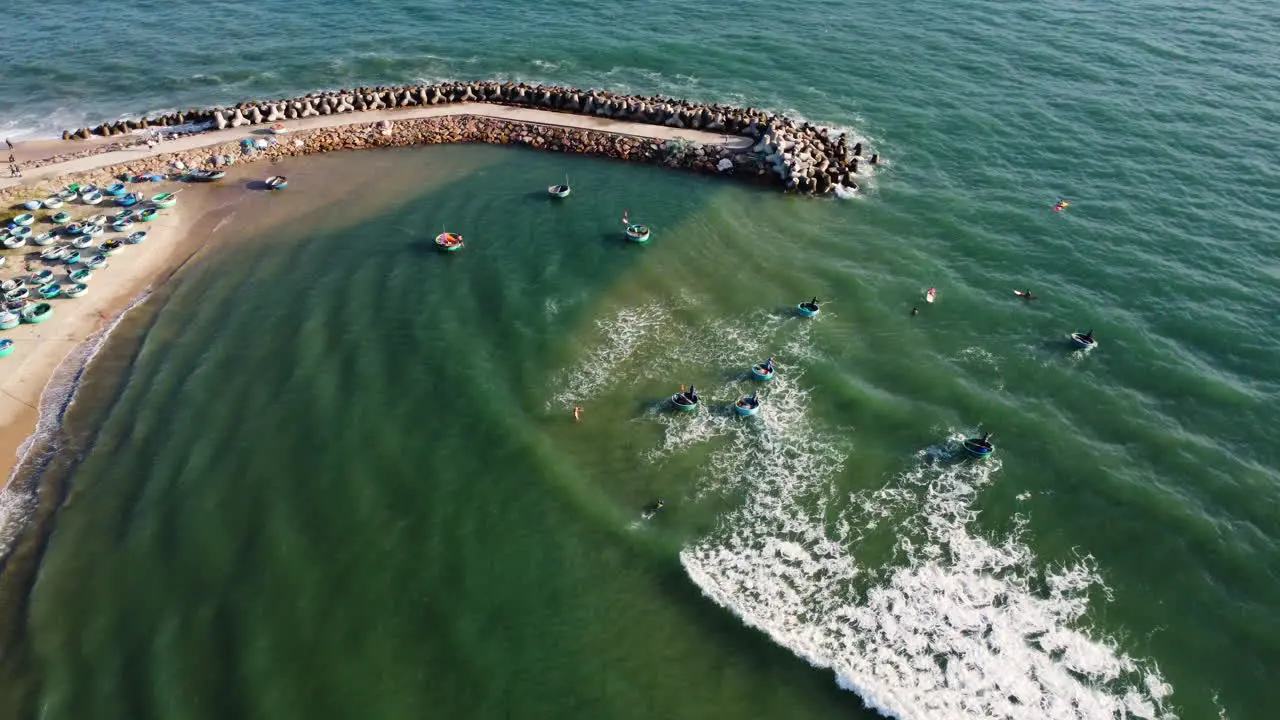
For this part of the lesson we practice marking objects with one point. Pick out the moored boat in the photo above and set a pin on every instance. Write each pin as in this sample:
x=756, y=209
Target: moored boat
x=93, y=197
x=148, y=215
x=98, y=219
x=979, y=448
x=164, y=200
x=40, y=278
x=24, y=220
x=125, y=214
x=809, y=309
x=53, y=202
x=55, y=252
x=122, y=225
x=13, y=242
x=92, y=231
x=43, y=239
x=82, y=242
x=6, y=345
x=9, y=320
x=10, y=284
x=129, y=200
x=50, y=291
x=135, y=238
x=115, y=190
x=111, y=247
x=277, y=182
x=1084, y=341
x=61, y=217
x=33, y=204
x=37, y=313
x=449, y=242
x=72, y=257
x=95, y=262
x=638, y=233
x=560, y=191
x=686, y=400
x=18, y=294
x=748, y=404
x=763, y=371
x=77, y=290
x=80, y=276
x=203, y=175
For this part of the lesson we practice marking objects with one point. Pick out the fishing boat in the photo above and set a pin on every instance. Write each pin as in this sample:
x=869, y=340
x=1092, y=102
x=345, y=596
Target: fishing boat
x=203, y=175
x=13, y=242
x=80, y=276
x=1084, y=341
x=112, y=247
x=82, y=242
x=164, y=200
x=125, y=214
x=95, y=262
x=979, y=448
x=809, y=309
x=122, y=225
x=18, y=294
x=44, y=239
x=77, y=290
x=84, y=189
x=10, y=284
x=560, y=191
x=6, y=346
x=115, y=190
x=53, y=202
x=36, y=313
x=57, y=252
x=135, y=238
x=24, y=220
x=92, y=231
x=748, y=404
x=15, y=306
x=50, y=291
x=61, y=218
x=763, y=371
x=638, y=233
x=72, y=257
x=69, y=193
x=278, y=129
x=148, y=215
x=9, y=320
x=91, y=198
x=277, y=182
x=686, y=400
x=129, y=200
x=449, y=242
x=40, y=278
x=98, y=219
x=33, y=204
x=21, y=232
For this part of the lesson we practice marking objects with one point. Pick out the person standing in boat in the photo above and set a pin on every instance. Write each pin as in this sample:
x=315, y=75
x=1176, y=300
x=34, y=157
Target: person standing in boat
x=768, y=365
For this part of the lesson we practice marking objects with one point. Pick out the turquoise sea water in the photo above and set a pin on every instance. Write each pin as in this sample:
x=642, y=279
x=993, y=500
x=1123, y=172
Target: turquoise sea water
x=326, y=472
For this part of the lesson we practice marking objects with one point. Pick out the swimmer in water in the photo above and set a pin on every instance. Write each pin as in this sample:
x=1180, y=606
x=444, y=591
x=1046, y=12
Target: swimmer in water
x=915, y=311
x=577, y=414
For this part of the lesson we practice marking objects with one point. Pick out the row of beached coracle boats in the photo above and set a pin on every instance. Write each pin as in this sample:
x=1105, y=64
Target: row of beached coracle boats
x=17, y=235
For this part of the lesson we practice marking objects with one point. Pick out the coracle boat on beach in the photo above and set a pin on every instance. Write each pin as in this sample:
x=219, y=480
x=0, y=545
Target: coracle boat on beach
x=10, y=284
x=277, y=182
x=122, y=225
x=112, y=247
x=92, y=197
x=82, y=242
x=24, y=220
x=13, y=242
x=203, y=175
x=57, y=252
x=278, y=129
x=98, y=219
x=95, y=262
x=53, y=202
x=50, y=291
x=37, y=313
x=125, y=214
x=6, y=346
x=638, y=233
x=61, y=218
x=18, y=294
x=72, y=257
x=77, y=290
x=33, y=204
x=129, y=200
x=135, y=238
x=164, y=200
x=43, y=239
x=449, y=242
x=115, y=190
x=80, y=276
x=148, y=215
x=40, y=278
x=9, y=320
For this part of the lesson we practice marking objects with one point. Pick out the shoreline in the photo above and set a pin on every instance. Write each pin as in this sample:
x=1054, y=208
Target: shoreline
x=761, y=146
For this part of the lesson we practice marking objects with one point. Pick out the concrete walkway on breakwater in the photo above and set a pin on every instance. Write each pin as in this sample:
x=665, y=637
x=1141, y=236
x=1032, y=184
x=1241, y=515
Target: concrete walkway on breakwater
x=502, y=112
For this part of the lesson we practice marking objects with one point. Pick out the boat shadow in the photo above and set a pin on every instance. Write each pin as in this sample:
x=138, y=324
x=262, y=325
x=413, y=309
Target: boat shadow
x=257, y=185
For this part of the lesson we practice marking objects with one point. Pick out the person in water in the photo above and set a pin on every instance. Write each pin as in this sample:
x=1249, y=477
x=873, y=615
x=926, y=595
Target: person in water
x=915, y=311
x=1088, y=337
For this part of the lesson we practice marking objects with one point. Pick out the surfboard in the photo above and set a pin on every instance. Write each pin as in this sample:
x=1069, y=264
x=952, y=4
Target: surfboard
x=931, y=295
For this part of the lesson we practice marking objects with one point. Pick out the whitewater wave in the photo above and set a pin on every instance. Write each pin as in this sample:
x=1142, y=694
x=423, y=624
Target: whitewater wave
x=941, y=621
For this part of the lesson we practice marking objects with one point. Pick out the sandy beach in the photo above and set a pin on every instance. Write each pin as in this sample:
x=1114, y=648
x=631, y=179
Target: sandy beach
x=41, y=348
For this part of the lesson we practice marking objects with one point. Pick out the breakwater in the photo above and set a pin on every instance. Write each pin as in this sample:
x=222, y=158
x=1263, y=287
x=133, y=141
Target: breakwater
x=793, y=155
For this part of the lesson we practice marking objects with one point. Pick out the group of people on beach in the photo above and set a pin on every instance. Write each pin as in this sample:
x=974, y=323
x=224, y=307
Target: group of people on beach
x=14, y=170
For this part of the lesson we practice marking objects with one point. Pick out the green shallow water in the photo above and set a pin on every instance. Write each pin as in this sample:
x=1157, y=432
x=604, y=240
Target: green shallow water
x=327, y=471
